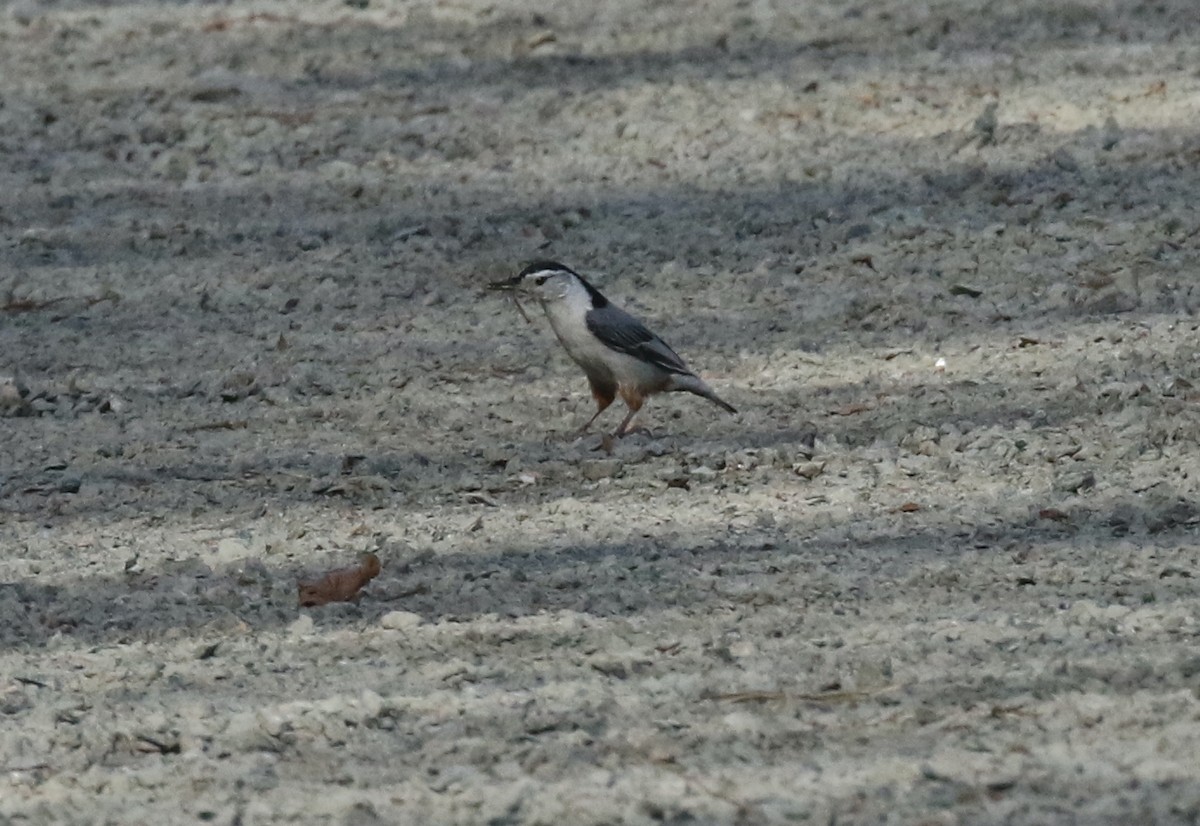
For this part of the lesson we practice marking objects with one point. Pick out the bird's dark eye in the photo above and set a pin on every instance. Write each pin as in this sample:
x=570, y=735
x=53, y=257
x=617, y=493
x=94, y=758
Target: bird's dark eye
x=541, y=279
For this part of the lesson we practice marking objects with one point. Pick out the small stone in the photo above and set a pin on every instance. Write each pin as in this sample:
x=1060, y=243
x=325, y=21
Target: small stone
x=808, y=470
x=468, y=483
x=1112, y=134
x=69, y=484
x=985, y=125
x=243, y=731
x=598, y=469
x=858, y=231
x=742, y=459
x=1073, y=481
x=1064, y=160
x=1123, y=519
x=610, y=665
x=112, y=404
x=12, y=400
x=260, y=778
x=362, y=813
x=743, y=723
x=1189, y=667
x=1171, y=516
x=742, y=649
x=239, y=385
x=230, y=549
x=302, y=626
x=372, y=704
x=497, y=456
x=1112, y=302
x=400, y=620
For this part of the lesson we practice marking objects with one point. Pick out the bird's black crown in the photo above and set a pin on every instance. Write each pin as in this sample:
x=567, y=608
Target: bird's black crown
x=598, y=299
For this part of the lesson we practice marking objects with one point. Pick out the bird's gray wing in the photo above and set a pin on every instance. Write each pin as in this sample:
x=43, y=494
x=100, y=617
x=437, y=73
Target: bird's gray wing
x=620, y=331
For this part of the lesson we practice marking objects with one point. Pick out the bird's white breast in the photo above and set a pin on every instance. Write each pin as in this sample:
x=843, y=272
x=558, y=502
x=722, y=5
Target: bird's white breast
x=568, y=318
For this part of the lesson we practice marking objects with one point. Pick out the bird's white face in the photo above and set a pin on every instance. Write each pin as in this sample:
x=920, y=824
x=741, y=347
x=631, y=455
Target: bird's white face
x=549, y=284
x=562, y=293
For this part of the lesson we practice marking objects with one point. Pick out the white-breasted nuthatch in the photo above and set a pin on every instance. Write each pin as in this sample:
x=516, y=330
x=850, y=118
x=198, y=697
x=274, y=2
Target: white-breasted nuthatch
x=616, y=351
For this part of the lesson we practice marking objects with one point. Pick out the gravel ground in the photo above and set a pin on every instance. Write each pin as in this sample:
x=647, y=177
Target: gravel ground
x=939, y=570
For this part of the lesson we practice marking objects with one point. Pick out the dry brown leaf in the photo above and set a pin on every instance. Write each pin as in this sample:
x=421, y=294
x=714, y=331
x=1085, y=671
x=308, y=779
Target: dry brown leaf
x=1055, y=514
x=850, y=409
x=341, y=585
x=909, y=507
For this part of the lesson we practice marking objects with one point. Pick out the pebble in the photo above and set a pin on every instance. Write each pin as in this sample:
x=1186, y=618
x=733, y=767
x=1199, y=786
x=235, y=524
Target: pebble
x=1075, y=480
x=229, y=550
x=808, y=470
x=597, y=469
x=302, y=626
x=12, y=403
x=400, y=620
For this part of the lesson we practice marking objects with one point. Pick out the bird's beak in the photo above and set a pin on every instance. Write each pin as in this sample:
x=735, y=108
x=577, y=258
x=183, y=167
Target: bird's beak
x=512, y=286
x=507, y=285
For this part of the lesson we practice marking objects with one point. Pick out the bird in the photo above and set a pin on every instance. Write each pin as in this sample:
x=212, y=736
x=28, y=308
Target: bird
x=619, y=355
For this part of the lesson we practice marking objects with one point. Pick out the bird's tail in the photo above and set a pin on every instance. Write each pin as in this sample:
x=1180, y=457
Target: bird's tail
x=694, y=384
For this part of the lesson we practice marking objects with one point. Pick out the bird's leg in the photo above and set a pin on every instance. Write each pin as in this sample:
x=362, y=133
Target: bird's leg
x=581, y=431
x=635, y=404
x=604, y=397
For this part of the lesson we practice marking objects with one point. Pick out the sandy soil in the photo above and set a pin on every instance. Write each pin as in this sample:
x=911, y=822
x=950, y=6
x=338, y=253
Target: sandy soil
x=941, y=568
